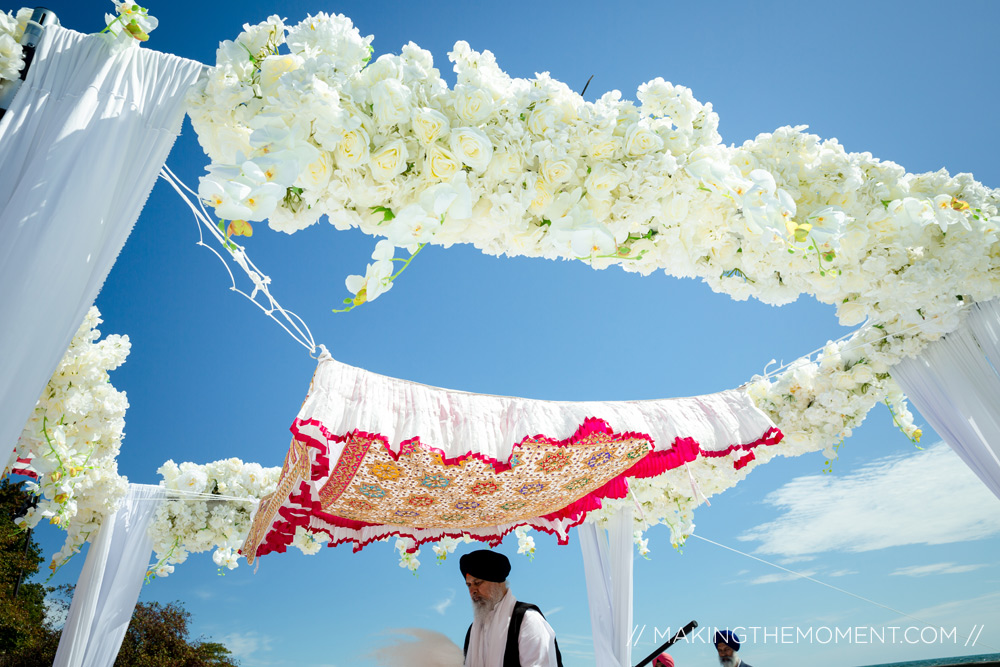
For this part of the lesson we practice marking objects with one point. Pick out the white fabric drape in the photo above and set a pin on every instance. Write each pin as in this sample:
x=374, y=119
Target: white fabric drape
x=607, y=565
x=109, y=584
x=344, y=398
x=955, y=386
x=80, y=149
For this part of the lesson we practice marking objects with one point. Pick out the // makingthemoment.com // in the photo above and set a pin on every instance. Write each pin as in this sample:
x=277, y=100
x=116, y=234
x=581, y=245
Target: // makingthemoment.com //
x=823, y=634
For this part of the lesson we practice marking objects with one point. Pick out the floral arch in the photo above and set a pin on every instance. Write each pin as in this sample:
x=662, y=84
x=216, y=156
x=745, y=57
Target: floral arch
x=299, y=124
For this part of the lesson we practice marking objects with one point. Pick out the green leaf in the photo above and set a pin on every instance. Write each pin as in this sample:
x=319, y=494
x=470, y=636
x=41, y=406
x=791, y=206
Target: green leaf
x=387, y=213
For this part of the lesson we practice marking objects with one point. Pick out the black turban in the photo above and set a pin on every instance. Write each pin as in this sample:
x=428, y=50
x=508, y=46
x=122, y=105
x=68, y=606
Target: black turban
x=485, y=564
x=729, y=638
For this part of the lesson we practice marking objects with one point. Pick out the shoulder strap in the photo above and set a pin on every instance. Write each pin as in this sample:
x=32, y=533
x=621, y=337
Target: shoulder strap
x=468, y=635
x=512, y=654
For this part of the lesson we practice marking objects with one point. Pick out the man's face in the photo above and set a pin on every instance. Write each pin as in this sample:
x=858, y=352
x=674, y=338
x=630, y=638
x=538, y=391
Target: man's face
x=484, y=593
x=725, y=654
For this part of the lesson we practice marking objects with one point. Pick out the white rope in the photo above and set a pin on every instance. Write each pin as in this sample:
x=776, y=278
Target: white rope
x=292, y=323
x=180, y=494
x=823, y=583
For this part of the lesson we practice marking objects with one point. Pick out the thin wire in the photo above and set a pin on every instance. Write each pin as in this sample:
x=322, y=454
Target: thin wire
x=769, y=374
x=823, y=583
x=294, y=325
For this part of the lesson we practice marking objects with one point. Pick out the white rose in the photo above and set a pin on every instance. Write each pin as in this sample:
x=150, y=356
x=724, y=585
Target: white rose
x=352, y=151
x=473, y=104
x=558, y=171
x=317, y=173
x=441, y=164
x=862, y=374
x=380, y=70
x=273, y=67
x=544, y=195
x=851, y=313
x=391, y=100
x=639, y=140
x=601, y=181
x=604, y=147
x=428, y=125
x=543, y=119
x=505, y=166
x=388, y=161
x=472, y=147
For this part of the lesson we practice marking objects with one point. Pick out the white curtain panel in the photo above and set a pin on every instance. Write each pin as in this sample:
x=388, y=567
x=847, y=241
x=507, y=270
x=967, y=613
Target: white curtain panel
x=955, y=386
x=80, y=149
x=109, y=584
x=607, y=566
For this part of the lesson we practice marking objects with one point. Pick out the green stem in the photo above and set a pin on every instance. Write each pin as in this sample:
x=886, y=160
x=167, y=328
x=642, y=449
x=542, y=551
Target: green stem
x=407, y=262
x=52, y=448
x=118, y=19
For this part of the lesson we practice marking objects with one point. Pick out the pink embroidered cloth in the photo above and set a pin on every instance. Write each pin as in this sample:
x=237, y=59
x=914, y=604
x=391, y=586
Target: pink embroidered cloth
x=373, y=456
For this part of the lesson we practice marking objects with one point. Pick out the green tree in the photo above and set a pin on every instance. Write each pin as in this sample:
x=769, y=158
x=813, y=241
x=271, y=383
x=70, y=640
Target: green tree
x=21, y=618
x=157, y=636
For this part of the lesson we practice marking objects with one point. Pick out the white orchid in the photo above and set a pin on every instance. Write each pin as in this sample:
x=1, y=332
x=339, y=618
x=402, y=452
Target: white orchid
x=130, y=20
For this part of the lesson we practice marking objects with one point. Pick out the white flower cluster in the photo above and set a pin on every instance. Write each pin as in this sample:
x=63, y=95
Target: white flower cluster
x=73, y=437
x=191, y=521
x=11, y=53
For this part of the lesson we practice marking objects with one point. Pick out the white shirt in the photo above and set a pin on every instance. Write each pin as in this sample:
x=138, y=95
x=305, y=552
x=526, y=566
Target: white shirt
x=488, y=641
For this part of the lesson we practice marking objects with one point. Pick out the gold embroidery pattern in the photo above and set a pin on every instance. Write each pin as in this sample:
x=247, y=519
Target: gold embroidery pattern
x=418, y=489
x=294, y=470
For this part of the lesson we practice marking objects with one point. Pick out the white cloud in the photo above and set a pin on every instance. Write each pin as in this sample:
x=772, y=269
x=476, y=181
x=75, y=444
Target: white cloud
x=774, y=578
x=929, y=497
x=936, y=568
x=842, y=573
x=246, y=644
x=442, y=605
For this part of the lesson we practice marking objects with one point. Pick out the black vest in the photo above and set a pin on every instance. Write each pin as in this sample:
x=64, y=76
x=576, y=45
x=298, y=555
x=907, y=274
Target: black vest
x=512, y=654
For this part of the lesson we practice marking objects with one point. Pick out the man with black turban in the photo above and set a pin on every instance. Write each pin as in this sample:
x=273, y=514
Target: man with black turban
x=727, y=643
x=504, y=632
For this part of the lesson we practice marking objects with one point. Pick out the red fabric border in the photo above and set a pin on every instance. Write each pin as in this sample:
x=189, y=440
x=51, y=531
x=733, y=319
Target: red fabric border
x=282, y=531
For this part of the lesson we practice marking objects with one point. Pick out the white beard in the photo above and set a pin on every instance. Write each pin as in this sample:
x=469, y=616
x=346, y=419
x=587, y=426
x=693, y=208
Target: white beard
x=481, y=610
x=731, y=661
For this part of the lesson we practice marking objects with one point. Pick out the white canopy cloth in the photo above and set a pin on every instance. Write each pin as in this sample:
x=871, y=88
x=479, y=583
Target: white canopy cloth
x=80, y=149
x=607, y=566
x=373, y=456
x=955, y=385
x=109, y=584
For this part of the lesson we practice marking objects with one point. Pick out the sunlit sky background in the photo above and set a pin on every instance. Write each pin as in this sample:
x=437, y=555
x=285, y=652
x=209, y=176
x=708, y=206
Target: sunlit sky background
x=210, y=377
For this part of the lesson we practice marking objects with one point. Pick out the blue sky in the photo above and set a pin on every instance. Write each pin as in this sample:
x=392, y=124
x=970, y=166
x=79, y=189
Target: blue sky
x=210, y=377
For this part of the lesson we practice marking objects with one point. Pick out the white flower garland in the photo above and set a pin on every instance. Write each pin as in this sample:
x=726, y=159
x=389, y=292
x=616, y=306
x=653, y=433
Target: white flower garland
x=73, y=437
x=192, y=521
